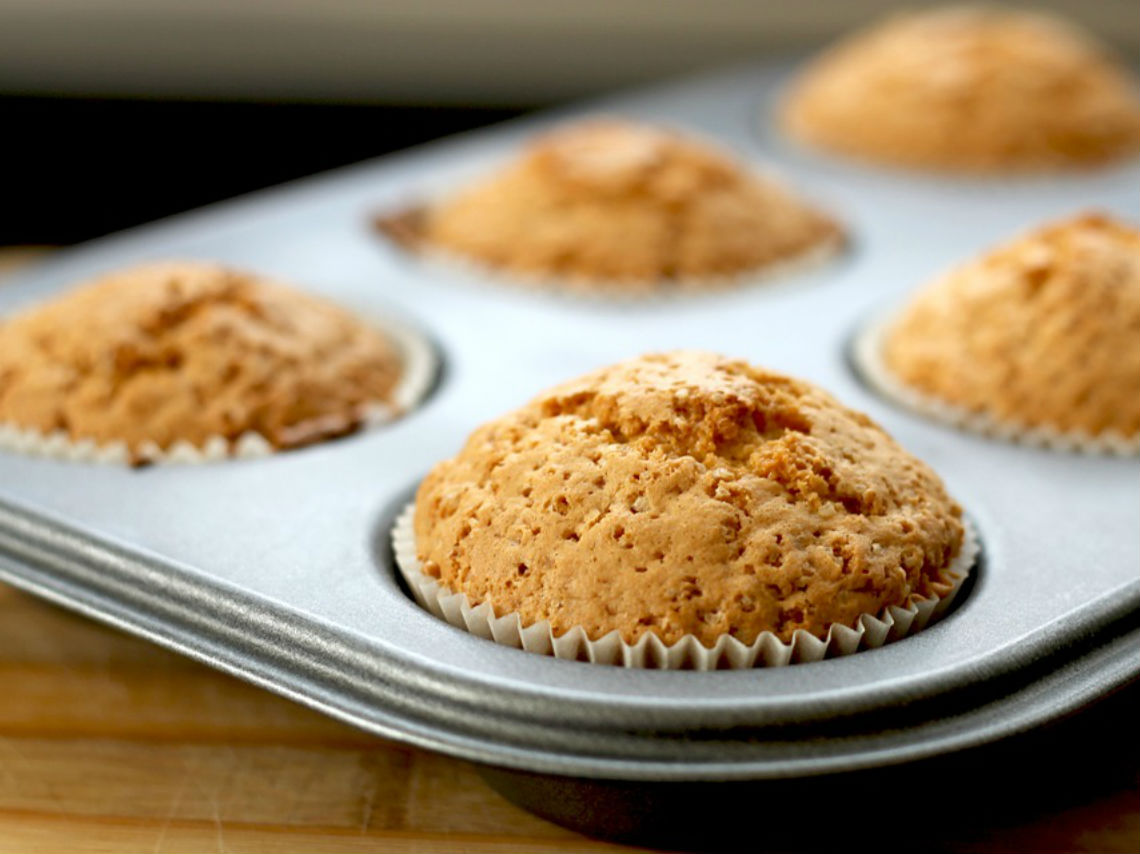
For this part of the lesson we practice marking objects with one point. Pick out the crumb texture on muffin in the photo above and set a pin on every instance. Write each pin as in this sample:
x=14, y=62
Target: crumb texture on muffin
x=1041, y=332
x=621, y=203
x=189, y=351
x=685, y=493
x=972, y=89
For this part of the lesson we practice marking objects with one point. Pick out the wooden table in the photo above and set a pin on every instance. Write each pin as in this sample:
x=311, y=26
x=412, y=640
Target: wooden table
x=108, y=743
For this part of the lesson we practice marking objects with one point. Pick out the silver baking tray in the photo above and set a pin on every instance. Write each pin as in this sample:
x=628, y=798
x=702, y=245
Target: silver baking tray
x=279, y=569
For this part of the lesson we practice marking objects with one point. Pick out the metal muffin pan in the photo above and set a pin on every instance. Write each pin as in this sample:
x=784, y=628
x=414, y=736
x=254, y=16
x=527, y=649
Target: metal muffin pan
x=279, y=569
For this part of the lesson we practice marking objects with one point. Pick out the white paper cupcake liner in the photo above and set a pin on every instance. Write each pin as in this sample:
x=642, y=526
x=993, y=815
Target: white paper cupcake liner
x=624, y=292
x=419, y=364
x=868, y=631
x=867, y=352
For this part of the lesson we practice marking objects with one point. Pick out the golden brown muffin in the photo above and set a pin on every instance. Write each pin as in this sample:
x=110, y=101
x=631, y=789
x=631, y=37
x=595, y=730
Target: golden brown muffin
x=614, y=202
x=1041, y=332
x=685, y=493
x=189, y=351
x=970, y=89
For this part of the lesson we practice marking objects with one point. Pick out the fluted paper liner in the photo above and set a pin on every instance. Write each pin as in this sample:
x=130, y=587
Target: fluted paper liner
x=418, y=367
x=867, y=351
x=588, y=289
x=868, y=631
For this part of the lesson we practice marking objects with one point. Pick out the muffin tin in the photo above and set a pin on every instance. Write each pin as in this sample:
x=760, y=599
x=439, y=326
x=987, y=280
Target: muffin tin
x=279, y=569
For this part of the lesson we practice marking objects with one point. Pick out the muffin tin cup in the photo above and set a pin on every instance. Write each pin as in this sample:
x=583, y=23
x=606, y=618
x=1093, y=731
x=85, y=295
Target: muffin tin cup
x=868, y=631
x=867, y=354
x=419, y=367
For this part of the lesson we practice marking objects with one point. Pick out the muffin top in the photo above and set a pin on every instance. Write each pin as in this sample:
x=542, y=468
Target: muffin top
x=970, y=89
x=1041, y=332
x=189, y=351
x=685, y=493
x=613, y=202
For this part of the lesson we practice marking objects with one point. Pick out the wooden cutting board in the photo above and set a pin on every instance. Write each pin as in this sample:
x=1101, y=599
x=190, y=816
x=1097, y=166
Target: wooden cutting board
x=110, y=744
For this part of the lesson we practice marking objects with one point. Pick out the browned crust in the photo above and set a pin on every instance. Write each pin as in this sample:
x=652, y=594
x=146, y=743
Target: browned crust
x=404, y=227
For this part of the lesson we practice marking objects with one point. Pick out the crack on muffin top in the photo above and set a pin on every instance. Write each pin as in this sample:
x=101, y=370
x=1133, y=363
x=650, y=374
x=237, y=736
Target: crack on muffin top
x=189, y=351
x=686, y=493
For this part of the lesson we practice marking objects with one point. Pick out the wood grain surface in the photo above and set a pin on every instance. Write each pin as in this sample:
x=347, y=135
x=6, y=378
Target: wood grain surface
x=110, y=744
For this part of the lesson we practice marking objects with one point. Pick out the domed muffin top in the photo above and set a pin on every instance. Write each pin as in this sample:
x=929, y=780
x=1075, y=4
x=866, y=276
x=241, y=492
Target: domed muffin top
x=685, y=493
x=189, y=351
x=971, y=89
x=610, y=202
x=1040, y=332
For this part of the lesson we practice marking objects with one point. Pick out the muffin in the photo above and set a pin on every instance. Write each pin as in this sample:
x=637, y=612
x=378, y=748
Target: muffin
x=1042, y=332
x=620, y=205
x=968, y=89
x=686, y=495
x=187, y=352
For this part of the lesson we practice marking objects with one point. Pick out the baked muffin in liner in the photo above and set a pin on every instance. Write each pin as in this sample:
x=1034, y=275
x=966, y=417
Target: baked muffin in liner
x=417, y=365
x=689, y=502
x=1032, y=342
x=869, y=631
x=967, y=89
x=867, y=353
x=612, y=210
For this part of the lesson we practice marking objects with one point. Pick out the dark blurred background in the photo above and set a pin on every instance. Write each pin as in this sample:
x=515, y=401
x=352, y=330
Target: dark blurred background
x=116, y=112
